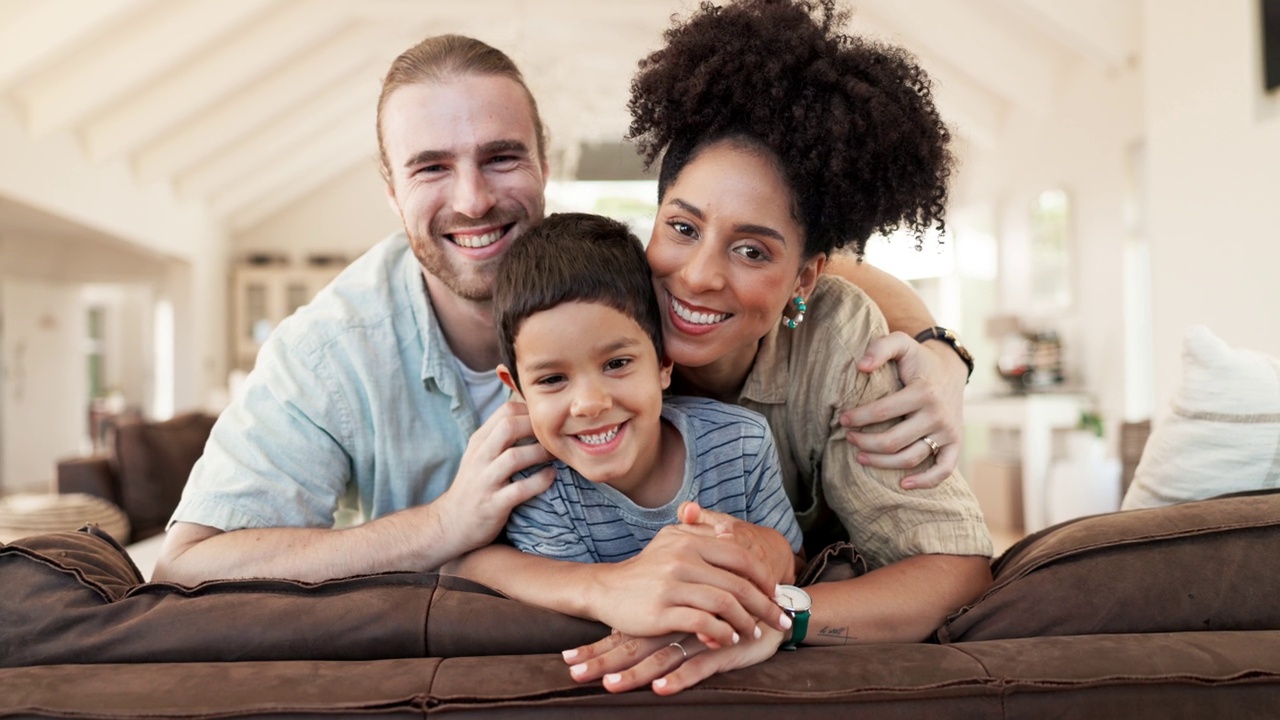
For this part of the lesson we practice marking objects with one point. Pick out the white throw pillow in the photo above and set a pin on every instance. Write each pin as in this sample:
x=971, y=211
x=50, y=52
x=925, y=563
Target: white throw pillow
x=1222, y=431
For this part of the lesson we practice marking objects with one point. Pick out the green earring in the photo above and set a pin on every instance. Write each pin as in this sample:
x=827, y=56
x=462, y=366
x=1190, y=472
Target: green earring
x=793, y=323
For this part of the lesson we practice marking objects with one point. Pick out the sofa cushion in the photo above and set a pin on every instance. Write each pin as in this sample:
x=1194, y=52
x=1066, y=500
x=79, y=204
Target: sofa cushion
x=1183, y=675
x=1222, y=431
x=75, y=597
x=1205, y=565
x=153, y=461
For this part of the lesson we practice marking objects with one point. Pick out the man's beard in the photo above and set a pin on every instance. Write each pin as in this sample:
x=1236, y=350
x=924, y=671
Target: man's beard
x=468, y=279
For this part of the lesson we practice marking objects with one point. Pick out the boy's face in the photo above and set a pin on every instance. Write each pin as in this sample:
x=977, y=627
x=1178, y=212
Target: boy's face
x=593, y=384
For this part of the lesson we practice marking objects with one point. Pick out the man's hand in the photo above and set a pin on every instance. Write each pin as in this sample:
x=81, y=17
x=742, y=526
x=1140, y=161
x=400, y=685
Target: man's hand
x=477, y=503
x=930, y=405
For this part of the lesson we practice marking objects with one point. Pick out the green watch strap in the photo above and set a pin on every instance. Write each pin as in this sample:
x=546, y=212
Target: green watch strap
x=799, y=628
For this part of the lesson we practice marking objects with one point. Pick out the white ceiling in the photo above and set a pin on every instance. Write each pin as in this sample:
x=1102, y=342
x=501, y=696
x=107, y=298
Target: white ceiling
x=249, y=105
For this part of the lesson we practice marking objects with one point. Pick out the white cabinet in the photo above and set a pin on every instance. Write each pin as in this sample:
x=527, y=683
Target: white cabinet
x=1035, y=416
x=263, y=294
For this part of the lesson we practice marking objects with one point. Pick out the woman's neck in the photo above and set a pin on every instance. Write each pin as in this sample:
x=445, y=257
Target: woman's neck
x=721, y=380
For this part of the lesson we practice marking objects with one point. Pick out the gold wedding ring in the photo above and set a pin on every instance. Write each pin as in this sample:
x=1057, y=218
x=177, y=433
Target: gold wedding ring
x=933, y=446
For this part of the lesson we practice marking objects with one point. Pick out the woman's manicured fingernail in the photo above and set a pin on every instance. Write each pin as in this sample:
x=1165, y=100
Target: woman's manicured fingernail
x=757, y=633
x=569, y=655
x=863, y=459
x=908, y=486
x=612, y=678
x=579, y=669
x=785, y=622
x=735, y=638
x=659, y=683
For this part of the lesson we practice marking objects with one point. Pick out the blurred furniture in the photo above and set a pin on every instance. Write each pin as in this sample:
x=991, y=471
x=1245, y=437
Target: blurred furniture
x=1035, y=416
x=267, y=289
x=39, y=513
x=143, y=469
x=1133, y=438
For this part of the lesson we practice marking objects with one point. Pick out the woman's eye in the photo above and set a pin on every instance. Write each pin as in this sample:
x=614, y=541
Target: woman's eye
x=682, y=228
x=617, y=363
x=751, y=252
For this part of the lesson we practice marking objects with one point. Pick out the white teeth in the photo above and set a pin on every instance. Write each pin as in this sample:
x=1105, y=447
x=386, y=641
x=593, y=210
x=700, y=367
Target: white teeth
x=697, y=318
x=600, y=438
x=477, y=241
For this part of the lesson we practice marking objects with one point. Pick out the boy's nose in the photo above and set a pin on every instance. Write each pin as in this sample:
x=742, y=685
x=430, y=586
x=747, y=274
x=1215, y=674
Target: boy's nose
x=590, y=400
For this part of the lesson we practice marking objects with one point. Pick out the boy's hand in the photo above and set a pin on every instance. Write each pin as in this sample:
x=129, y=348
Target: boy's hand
x=768, y=547
x=687, y=580
x=482, y=495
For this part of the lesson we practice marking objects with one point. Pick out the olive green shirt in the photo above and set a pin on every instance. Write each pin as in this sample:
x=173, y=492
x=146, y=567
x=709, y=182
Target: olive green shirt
x=802, y=380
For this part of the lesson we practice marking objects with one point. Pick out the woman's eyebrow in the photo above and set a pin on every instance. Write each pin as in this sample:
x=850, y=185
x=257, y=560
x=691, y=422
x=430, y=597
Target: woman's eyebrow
x=687, y=207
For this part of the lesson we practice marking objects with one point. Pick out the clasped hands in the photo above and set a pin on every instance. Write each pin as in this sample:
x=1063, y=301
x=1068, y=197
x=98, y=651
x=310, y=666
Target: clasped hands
x=697, y=601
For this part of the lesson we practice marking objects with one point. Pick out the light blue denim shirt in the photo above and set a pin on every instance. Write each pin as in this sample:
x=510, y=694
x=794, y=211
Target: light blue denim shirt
x=355, y=396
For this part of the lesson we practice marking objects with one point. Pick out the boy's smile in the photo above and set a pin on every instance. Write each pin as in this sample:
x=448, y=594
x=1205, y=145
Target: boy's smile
x=593, y=383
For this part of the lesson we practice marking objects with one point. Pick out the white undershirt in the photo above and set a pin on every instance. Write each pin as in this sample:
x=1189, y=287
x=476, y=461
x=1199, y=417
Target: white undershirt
x=485, y=389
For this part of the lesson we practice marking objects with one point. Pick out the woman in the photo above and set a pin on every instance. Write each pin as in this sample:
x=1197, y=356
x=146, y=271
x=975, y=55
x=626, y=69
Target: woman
x=781, y=143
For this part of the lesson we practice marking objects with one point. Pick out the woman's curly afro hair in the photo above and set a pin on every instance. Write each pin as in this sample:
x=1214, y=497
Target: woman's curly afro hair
x=850, y=122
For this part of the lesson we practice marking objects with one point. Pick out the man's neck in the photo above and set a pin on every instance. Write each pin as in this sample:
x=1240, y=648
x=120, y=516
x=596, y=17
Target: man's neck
x=467, y=325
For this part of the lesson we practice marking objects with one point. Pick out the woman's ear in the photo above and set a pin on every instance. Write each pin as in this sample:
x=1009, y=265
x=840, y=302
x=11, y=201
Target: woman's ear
x=505, y=376
x=807, y=280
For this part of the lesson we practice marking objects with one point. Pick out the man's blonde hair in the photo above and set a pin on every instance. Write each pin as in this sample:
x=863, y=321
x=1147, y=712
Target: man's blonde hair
x=445, y=57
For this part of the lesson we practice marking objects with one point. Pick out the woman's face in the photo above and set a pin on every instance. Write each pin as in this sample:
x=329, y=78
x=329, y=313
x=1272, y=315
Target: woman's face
x=727, y=255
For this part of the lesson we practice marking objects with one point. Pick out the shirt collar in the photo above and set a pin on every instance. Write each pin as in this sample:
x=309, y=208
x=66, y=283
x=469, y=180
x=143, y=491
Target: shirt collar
x=770, y=374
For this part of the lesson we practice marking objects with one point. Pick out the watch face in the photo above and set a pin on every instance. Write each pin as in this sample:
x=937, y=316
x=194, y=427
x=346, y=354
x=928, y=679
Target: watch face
x=792, y=598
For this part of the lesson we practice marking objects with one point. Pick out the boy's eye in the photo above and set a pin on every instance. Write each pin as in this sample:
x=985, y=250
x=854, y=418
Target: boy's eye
x=549, y=380
x=617, y=363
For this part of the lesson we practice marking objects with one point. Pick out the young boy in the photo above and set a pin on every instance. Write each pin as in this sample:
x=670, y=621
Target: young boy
x=580, y=334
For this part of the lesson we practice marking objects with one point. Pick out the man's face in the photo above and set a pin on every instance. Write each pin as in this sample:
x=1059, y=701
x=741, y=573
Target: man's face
x=466, y=178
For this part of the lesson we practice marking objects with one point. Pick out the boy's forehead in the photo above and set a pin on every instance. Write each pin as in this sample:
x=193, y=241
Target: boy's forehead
x=578, y=327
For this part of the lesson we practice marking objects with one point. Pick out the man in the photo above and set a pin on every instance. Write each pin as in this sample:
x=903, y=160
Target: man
x=375, y=392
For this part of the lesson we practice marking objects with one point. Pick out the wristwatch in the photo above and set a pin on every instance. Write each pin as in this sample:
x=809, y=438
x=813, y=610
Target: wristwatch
x=795, y=603
x=949, y=337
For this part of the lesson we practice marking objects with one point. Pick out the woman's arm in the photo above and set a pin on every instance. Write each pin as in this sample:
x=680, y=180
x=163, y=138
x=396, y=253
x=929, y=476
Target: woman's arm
x=903, y=602
x=932, y=402
x=902, y=307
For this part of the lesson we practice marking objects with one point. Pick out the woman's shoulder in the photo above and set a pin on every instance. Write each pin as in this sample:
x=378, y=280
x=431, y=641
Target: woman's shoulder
x=840, y=312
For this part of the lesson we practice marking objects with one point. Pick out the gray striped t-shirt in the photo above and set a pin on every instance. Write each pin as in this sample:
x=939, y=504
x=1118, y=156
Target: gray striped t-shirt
x=731, y=466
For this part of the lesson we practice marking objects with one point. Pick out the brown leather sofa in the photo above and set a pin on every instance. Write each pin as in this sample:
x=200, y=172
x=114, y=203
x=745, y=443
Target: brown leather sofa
x=144, y=468
x=1164, y=613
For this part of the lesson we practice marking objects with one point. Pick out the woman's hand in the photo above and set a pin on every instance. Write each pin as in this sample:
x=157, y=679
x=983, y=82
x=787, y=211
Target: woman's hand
x=669, y=663
x=930, y=405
